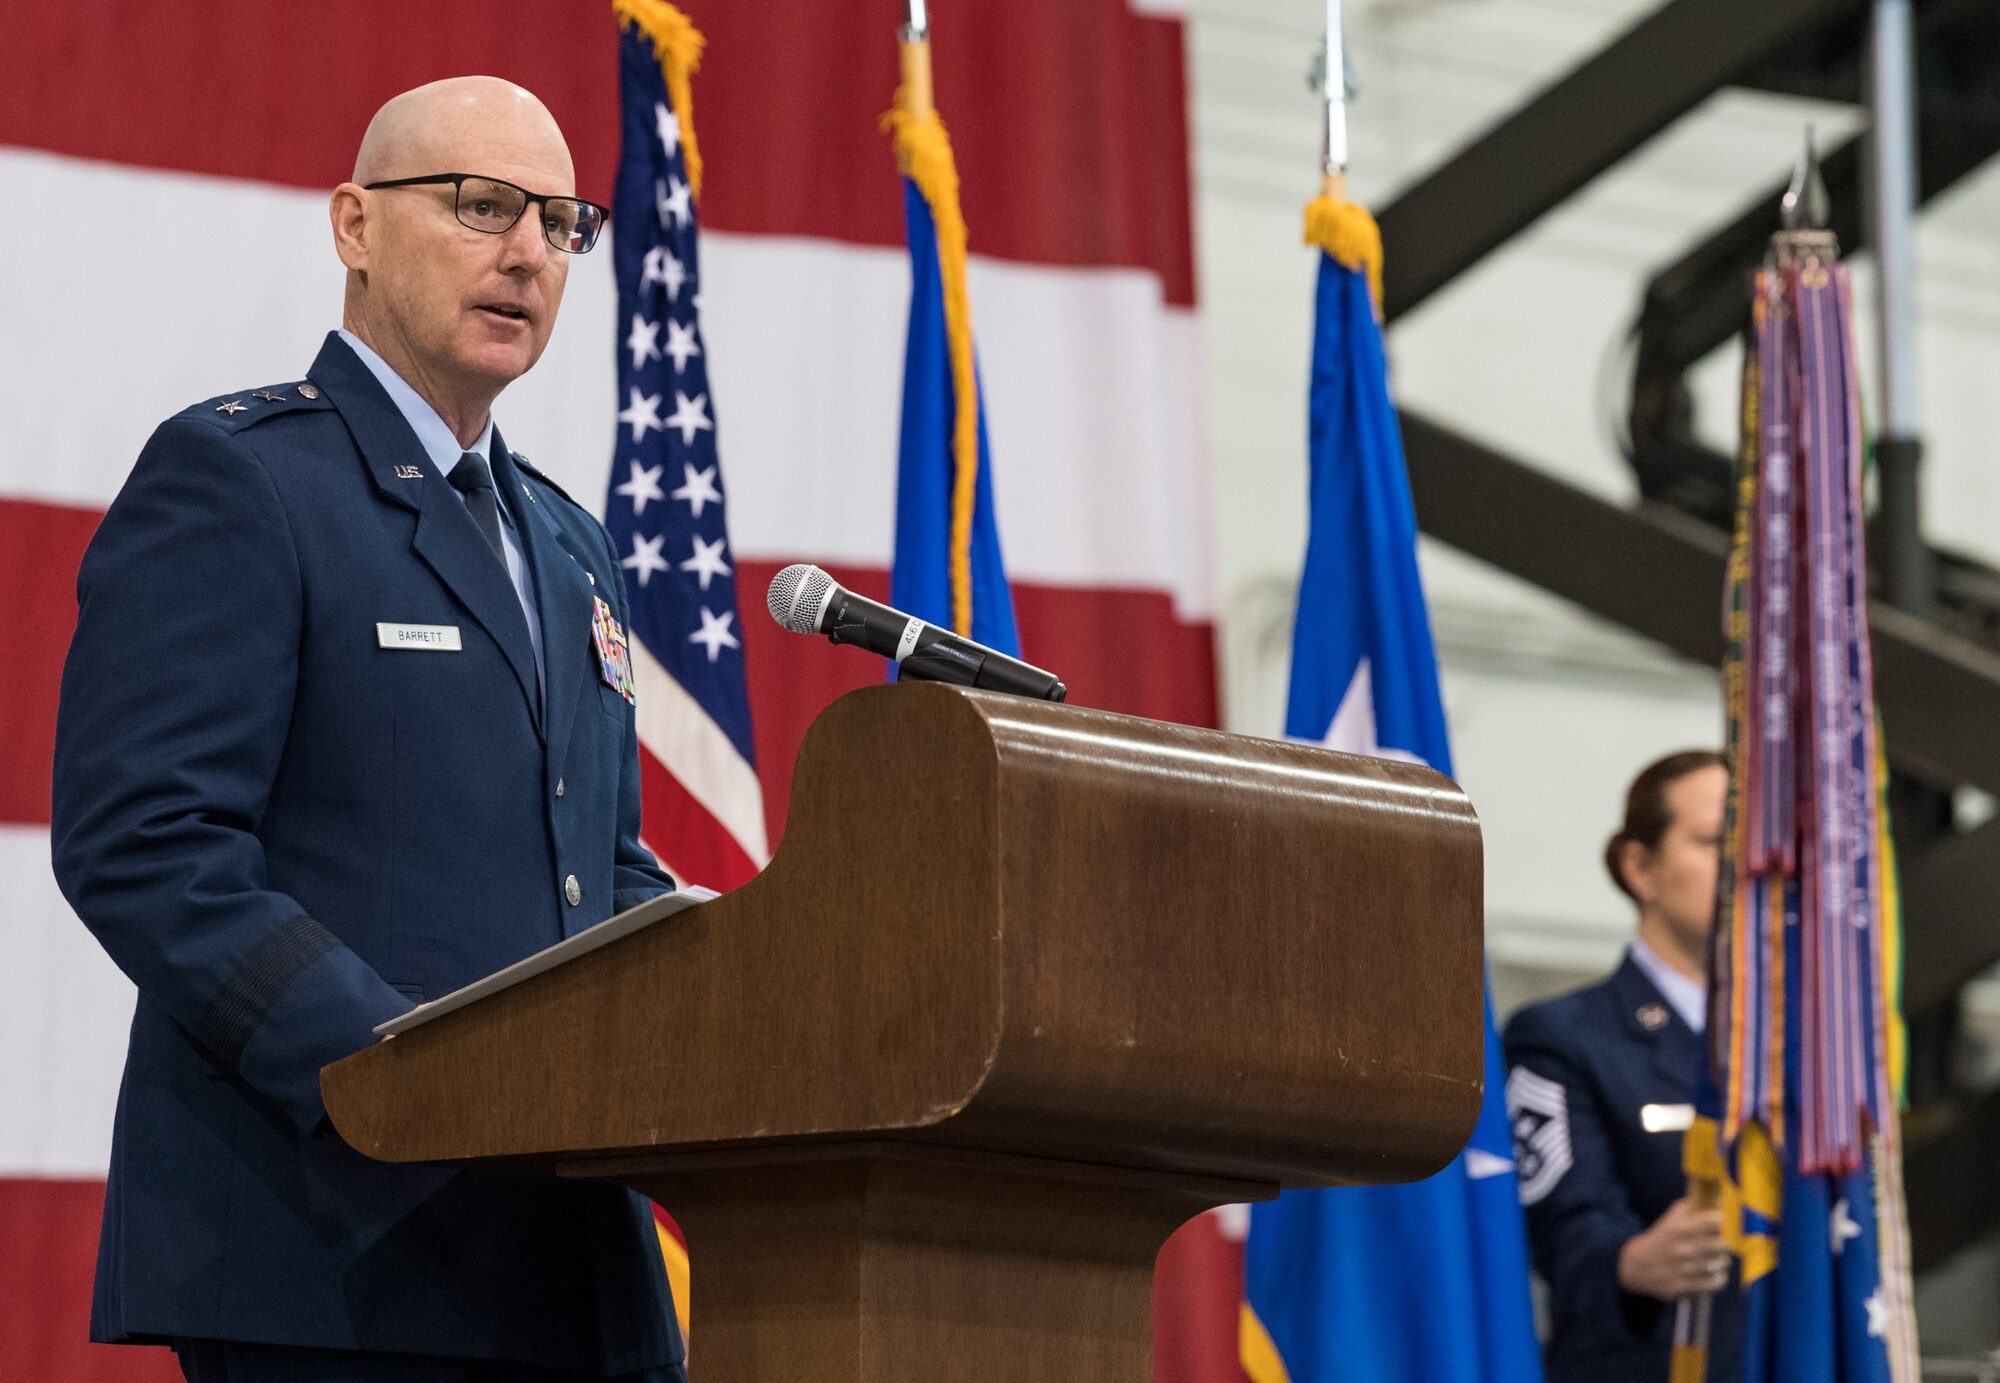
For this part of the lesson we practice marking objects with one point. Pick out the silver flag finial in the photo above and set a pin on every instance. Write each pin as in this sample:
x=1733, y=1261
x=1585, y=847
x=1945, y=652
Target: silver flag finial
x=1806, y=205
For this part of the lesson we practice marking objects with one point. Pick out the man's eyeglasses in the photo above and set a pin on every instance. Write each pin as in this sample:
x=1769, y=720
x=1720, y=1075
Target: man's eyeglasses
x=570, y=224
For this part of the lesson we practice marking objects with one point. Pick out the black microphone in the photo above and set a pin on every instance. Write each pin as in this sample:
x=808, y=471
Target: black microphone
x=807, y=601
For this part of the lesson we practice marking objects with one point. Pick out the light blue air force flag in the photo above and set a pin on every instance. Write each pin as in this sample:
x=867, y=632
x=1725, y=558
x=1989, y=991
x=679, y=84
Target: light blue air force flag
x=1430, y=1280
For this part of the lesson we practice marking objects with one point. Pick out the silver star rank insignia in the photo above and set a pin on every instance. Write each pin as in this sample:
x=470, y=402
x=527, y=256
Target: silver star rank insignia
x=232, y=407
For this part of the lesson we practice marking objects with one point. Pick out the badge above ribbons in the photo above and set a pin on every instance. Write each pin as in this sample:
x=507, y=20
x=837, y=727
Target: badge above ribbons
x=614, y=655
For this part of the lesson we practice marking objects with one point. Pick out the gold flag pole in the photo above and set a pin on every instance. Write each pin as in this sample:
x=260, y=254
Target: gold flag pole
x=1803, y=215
x=914, y=48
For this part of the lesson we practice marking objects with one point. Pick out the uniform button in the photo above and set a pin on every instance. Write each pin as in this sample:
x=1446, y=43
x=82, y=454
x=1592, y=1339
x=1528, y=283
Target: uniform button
x=572, y=890
x=559, y=787
x=306, y=391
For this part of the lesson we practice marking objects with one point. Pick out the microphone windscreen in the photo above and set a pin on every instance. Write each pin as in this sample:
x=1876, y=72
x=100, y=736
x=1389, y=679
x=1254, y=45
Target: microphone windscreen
x=796, y=595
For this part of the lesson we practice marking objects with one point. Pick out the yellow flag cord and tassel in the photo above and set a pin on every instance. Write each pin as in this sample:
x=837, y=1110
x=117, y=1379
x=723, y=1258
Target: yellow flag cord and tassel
x=923, y=153
x=1346, y=231
x=1259, y=1356
x=679, y=45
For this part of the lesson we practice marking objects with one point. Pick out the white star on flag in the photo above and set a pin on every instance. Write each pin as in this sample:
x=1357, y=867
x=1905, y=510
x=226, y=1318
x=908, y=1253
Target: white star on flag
x=673, y=274
x=655, y=269
x=643, y=413
x=669, y=127
x=707, y=560
x=644, y=342
x=714, y=633
x=646, y=559
x=1353, y=727
x=643, y=486
x=1878, y=1313
x=700, y=488
x=690, y=415
x=680, y=344
x=1841, y=1226
x=675, y=204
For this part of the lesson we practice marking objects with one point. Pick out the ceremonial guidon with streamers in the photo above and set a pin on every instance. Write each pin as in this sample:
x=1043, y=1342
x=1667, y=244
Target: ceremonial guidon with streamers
x=704, y=814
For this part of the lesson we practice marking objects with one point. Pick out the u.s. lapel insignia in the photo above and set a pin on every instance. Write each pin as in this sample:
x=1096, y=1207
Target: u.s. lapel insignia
x=614, y=654
x=409, y=472
x=1652, y=1017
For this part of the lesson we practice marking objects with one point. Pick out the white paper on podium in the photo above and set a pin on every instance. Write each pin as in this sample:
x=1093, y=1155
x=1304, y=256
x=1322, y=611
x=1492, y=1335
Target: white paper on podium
x=582, y=944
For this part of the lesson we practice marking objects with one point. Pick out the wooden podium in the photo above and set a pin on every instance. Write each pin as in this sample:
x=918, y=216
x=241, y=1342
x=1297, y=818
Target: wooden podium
x=1026, y=987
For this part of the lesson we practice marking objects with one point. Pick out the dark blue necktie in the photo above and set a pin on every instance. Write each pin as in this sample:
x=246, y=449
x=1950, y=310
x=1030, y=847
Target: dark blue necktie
x=471, y=479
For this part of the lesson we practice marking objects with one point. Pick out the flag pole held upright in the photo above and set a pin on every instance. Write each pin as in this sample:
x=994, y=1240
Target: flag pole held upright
x=1798, y=1103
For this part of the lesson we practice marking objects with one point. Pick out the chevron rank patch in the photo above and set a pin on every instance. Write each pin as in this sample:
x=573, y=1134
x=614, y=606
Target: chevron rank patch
x=1539, y=1109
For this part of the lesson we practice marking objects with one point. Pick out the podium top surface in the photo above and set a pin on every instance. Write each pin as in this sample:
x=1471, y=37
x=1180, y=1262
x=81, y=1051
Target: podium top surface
x=1010, y=925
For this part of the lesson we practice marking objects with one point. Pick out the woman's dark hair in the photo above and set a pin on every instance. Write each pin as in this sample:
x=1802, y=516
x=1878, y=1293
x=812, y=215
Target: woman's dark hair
x=1647, y=816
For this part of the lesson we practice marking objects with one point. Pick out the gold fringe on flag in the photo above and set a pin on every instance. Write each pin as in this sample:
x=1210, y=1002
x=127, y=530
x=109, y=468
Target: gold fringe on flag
x=923, y=153
x=679, y=45
x=1260, y=1358
x=675, y=1255
x=1346, y=231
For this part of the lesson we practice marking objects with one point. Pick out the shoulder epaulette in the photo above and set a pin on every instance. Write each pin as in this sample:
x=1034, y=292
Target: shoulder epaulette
x=523, y=462
x=235, y=412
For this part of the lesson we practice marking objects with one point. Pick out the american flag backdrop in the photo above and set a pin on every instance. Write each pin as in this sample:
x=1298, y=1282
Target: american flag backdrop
x=188, y=151
x=704, y=810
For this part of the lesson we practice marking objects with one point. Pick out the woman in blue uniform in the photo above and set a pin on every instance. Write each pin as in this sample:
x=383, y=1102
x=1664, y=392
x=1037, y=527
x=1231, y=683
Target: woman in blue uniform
x=1600, y=1087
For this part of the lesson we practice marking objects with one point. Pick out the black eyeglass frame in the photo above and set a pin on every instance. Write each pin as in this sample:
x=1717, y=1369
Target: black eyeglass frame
x=458, y=181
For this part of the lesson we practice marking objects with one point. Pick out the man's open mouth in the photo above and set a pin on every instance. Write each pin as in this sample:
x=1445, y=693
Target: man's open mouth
x=512, y=314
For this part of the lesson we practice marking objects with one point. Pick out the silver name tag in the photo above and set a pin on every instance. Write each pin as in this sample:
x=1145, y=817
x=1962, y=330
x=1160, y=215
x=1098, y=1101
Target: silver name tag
x=1666, y=1118
x=438, y=638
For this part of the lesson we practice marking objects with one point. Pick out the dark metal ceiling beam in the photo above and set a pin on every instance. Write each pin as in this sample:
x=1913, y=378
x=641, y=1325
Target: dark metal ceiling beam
x=1702, y=299
x=1658, y=573
x=1950, y=1191
x=1583, y=124
x=1953, y=887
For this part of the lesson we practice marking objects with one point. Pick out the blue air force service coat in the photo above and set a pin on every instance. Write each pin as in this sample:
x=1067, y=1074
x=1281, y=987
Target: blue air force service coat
x=288, y=818
x=1581, y=1069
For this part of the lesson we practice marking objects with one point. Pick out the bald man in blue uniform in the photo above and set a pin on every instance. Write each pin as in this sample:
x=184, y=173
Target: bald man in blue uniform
x=339, y=734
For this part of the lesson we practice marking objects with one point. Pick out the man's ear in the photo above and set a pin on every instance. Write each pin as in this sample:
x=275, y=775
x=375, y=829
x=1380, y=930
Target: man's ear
x=349, y=214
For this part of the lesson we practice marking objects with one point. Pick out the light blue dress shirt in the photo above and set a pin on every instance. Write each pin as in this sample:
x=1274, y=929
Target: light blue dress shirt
x=444, y=451
x=1688, y=997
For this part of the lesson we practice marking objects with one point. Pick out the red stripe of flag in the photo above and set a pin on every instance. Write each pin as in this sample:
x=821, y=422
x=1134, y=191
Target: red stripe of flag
x=679, y=830
x=48, y=1255
x=40, y=547
x=1081, y=100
